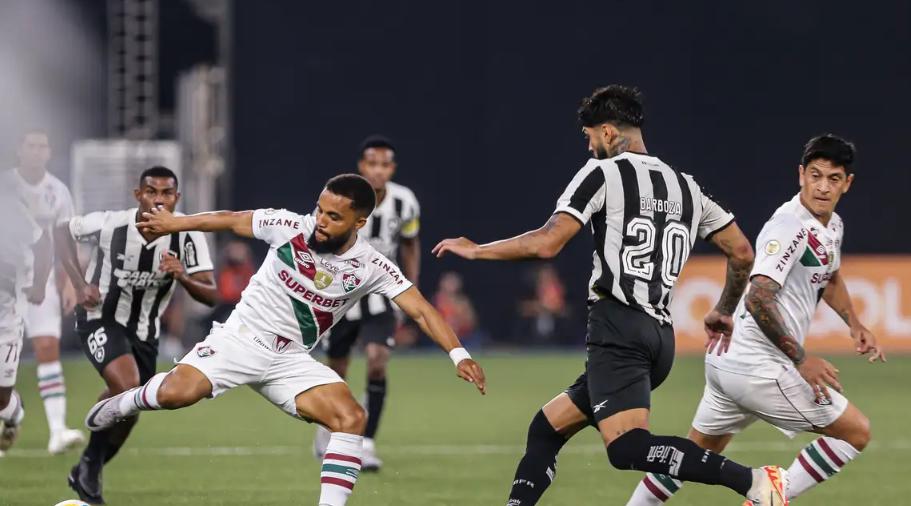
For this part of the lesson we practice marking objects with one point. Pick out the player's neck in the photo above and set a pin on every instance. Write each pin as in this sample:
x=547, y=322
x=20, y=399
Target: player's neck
x=380, y=195
x=627, y=141
x=347, y=246
x=31, y=175
x=822, y=218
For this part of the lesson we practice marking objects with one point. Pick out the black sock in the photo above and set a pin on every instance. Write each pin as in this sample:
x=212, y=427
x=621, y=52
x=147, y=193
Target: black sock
x=538, y=466
x=376, y=397
x=679, y=458
x=118, y=436
x=95, y=451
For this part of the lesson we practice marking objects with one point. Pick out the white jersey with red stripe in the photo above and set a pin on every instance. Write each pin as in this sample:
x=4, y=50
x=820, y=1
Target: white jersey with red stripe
x=799, y=253
x=299, y=294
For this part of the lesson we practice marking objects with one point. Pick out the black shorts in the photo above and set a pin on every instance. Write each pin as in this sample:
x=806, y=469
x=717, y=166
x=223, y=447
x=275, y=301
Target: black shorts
x=103, y=341
x=629, y=355
x=378, y=328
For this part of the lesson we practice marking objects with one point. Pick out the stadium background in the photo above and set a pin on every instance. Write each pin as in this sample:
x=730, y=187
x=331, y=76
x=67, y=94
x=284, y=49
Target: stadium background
x=480, y=99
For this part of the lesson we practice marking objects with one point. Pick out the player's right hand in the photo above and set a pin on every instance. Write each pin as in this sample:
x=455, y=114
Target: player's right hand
x=470, y=371
x=158, y=221
x=34, y=294
x=463, y=247
x=820, y=374
x=718, y=330
x=89, y=296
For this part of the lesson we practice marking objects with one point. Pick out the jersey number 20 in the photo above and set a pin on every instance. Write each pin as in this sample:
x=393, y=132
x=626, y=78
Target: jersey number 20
x=638, y=258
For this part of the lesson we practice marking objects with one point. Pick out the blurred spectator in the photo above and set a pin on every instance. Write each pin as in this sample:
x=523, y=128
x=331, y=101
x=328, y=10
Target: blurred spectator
x=233, y=276
x=452, y=302
x=543, y=312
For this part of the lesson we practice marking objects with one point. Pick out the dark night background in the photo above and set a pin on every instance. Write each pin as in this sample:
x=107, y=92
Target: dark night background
x=480, y=99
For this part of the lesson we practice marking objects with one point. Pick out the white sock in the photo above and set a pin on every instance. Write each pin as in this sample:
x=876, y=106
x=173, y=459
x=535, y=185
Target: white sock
x=53, y=393
x=144, y=398
x=818, y=462
x=341, y=466
x=13, y=413
x=654, y=490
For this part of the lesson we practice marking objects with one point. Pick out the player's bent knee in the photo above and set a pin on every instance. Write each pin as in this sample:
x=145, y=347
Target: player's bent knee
x=626, y=450
x=174, y=394
x=861, y=435
x=350, y=420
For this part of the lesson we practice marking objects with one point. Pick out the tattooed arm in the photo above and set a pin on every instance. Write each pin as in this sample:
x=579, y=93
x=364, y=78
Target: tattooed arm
x=837, y=297
x=544, y=242
x=760, y=302
x=718, y=323
x=736, y=247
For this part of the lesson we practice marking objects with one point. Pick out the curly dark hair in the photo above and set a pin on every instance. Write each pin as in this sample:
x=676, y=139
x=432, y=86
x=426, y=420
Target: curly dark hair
x=356, y=188
x=617, y=104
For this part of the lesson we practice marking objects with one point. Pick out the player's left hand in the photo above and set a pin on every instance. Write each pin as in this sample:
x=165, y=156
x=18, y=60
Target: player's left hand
x=463, y=247
x=470, y=371
x=157, y=220
x=865, y=342
x=172, y=265
x=718, y=330
x=34, y=294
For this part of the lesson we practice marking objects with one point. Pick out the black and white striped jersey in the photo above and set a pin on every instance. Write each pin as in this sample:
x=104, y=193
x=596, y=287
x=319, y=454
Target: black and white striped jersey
x=397, y=217
x=645, y=217
x=124, y=266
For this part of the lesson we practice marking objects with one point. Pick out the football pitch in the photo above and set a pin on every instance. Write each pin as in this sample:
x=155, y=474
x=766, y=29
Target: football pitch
x=442, y=443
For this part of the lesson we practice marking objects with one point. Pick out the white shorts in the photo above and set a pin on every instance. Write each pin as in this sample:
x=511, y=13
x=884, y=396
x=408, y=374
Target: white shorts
x=10, y=350
x=732, y=401
x=44, y=319
x=278, y=370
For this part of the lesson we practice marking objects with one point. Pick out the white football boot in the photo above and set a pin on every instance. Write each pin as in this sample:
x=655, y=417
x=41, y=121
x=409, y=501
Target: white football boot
x=63, y=440
x=770, y=485
x=369, y=461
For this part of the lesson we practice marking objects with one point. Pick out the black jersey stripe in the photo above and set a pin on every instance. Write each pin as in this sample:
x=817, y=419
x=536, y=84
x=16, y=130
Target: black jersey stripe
x=116, y=257
x=655, y=285
x=587, y=189
x=163, y=289
x=146, y=261
x=398, y=204
x=99, y=259
x=376, y=227
x=631, y=193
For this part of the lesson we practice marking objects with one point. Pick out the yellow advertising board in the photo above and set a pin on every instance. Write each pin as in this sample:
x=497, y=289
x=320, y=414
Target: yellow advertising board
x=880, y=287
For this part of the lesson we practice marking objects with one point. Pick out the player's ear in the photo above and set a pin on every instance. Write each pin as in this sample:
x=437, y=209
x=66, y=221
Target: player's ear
x=136, y=193
x=801, y=170
x=848, y=181
x=177, y=200
x=361, y=221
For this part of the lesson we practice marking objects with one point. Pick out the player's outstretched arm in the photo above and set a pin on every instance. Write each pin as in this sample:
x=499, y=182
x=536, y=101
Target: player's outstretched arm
x=87, y=295
x=431, y=322
x=545, y=242
x=837, y=297
x=161, y=221
x=719, y=323
x=761, y=303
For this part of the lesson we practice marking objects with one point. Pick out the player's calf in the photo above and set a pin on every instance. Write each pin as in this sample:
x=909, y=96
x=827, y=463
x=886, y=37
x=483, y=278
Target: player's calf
x=822, y=459
x=538, y=466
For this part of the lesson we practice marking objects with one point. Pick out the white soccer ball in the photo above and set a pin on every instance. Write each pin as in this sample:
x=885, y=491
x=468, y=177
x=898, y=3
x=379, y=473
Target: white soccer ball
x=72, y=502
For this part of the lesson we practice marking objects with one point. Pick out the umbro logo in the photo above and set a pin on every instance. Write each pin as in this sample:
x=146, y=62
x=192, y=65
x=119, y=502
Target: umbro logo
x=597, y=407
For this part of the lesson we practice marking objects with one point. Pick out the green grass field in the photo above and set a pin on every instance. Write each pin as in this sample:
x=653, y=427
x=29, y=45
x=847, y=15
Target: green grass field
x=443, y=444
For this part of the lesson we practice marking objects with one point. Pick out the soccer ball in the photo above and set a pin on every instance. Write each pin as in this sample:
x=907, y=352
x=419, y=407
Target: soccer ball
x=72, y=502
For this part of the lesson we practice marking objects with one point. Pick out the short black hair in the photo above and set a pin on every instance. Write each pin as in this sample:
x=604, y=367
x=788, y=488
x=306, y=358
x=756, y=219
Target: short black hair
x=617, y=104
x=356, y=188
x=158, y=171
x=374, y=141
x=832, y=148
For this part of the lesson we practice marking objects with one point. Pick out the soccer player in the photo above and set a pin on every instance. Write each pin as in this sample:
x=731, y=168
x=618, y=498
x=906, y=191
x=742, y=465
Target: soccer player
x=645, y=217
x=317, y=268
x=392, y=229
x=126, y=287
x=49, y=201
x=766, y=374
x=23, y=278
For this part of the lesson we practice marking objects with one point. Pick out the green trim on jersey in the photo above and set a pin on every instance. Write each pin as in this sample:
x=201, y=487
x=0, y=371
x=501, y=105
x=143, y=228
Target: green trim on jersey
x=809, y=259
x=286, y=255
x=305, y=321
